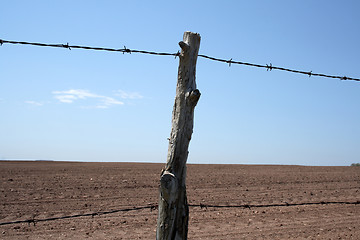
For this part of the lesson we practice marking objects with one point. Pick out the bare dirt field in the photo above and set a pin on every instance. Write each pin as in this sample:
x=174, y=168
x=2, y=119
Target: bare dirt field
x=226, y=201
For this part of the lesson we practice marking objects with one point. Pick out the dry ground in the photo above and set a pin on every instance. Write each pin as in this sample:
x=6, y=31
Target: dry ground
x=41, y=190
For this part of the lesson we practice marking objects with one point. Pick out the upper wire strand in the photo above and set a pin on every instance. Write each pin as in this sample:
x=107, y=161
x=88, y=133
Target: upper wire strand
x=229, y=62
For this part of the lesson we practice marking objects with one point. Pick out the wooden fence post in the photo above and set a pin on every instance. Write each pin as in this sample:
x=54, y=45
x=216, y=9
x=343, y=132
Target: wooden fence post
x=173, y=214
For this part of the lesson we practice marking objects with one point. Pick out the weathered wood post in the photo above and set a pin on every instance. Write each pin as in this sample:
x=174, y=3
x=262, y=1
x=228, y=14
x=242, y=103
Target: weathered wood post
x=173, y=207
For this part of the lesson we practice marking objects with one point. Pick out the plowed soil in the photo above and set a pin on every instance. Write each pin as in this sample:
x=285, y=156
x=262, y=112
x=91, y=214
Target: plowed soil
x=226, y=201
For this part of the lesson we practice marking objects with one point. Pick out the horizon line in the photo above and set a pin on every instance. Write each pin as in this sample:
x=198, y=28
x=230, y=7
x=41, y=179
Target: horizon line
x=191, y=163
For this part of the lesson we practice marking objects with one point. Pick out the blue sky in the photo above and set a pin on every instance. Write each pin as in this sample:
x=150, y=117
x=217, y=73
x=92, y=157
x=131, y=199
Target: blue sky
x=103, y=106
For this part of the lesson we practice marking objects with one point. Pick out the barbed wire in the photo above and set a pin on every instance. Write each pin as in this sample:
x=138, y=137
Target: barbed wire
x=34, y=220
x=155, y=206
x=122, y=50
x=285, y=204
x=268, y=67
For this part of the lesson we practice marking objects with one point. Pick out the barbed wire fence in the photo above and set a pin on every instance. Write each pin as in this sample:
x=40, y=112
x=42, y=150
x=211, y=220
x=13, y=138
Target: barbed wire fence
x=268, y=67
x=155, y=206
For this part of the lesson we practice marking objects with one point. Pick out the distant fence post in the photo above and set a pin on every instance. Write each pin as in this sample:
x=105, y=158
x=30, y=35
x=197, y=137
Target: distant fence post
x=173, y=214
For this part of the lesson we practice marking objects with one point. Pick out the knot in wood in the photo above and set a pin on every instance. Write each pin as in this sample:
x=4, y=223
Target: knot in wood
x=169, y=186
x=184, y=46
x=193, y=97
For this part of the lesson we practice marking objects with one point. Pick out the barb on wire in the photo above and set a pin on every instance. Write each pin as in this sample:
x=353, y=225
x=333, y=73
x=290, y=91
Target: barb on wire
x=269, y=67
x=229, y=62
x=66, y=46
x=126, y=50
x=177, y=54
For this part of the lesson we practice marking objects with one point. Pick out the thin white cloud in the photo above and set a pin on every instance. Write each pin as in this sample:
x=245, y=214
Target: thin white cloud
x=34, y=103
x=72, y=95
x=110, y=101
x=65, y=98
x=128, y=95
